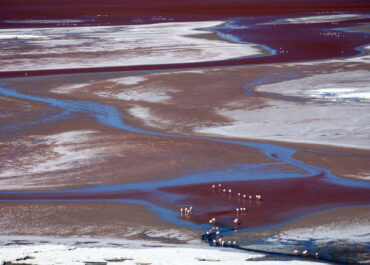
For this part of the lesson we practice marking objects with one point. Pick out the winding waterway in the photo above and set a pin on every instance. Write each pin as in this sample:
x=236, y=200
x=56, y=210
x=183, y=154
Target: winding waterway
x=318, y=189
x=290, y=188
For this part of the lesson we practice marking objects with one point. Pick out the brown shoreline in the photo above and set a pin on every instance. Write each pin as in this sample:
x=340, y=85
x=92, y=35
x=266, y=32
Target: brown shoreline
x=90, y=219
x=295, y=235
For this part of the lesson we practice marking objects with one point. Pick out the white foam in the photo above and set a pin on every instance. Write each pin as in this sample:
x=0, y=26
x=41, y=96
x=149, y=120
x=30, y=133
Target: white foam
x=335, y=90
x=19, y=36
x=362, y=175
x=359, y=95
x=322, y=18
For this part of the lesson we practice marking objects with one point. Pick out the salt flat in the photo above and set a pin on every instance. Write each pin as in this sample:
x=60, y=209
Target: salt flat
x=103, y=46
x=61, y=254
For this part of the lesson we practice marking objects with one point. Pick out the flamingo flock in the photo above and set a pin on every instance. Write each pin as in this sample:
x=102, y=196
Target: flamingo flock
x=239, y=195
x=305, y=253
x=213, y=235
x=332, y=34
x=186, y=211
x=240, y=210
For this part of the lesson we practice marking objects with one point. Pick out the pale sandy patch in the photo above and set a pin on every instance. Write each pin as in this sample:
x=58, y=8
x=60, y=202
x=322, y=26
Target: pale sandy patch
x=347, y=86
x=128, y=80
x=142, y=93
x=337, y=125
x=362, y=175
x=147, y=117
x=65, y=89
x=356, y=232
x=54, y=153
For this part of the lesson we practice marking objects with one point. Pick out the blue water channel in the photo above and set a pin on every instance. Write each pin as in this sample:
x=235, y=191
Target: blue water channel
x=109, y=116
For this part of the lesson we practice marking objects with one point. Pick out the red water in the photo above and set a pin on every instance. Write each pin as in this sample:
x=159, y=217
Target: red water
x=282, y=199
x=303, y=42
x=123, y=12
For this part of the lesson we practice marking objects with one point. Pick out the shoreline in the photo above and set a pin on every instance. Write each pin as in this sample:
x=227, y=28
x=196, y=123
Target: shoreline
x=269, y=252
x=180, y=255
